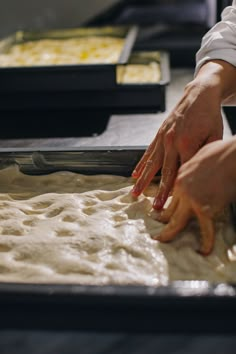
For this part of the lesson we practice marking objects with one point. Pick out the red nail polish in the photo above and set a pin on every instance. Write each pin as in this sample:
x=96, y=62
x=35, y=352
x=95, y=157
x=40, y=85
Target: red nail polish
x=158, y=204
x=134, y=174
x=135, y=191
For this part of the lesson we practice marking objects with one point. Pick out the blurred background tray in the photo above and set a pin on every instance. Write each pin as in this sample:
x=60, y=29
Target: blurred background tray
x=64, y=77
x=82, y=112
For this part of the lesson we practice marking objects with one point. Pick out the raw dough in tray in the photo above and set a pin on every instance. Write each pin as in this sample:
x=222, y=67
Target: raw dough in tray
x=70, y=228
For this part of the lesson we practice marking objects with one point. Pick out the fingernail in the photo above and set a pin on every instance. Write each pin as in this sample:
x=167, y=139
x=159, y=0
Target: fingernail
x=135, y=191
x=158, y=203
x=134, y=174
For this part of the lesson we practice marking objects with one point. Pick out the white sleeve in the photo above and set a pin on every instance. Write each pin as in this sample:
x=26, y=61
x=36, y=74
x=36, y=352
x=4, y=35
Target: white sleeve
x=220, y=41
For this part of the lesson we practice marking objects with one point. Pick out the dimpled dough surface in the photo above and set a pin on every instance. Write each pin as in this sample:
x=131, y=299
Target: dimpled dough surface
x=70, y=228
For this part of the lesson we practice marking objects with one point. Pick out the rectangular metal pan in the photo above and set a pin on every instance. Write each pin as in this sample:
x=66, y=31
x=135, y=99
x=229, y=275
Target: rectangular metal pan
x=64, y=77
x=15, y=107
x=182, y=307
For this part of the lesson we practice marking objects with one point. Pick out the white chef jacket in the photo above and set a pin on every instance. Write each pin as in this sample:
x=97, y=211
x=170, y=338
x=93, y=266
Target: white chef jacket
x=220, y=41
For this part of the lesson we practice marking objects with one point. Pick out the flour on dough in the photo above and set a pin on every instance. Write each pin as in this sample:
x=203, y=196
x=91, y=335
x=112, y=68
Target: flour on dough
x=71, y=228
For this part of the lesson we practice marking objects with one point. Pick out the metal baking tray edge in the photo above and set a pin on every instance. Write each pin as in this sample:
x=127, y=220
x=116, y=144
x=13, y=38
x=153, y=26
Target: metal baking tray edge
x=181, y=307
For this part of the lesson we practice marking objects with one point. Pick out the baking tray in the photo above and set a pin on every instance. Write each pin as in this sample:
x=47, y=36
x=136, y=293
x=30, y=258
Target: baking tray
x=64, y=77
x=182, y=307
x=87, y=111
x=144, y=97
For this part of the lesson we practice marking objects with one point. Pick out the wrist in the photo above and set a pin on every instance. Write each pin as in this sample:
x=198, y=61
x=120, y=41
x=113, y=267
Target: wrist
x=205, y=87
x=218, y=76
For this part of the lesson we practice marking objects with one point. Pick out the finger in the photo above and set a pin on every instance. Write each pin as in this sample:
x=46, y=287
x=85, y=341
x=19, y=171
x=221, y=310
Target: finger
x=150, y=169
x=165, y=215
x=207, y=234
x=141, y=164
x=169, y=172
x=213, y=138
x=177, y=222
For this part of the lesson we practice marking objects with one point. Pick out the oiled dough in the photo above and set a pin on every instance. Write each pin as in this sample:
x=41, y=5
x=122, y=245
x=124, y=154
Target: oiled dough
x=81, y=50
x=71, y=228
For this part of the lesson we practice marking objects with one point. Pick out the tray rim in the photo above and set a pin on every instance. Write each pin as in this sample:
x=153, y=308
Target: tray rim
x=208, y=310
x=73, y=148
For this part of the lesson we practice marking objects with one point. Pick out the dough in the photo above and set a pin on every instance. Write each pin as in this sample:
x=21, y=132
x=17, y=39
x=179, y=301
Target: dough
x=142, y=68
x=71, y=228
x=83, y=50
x=139, y=73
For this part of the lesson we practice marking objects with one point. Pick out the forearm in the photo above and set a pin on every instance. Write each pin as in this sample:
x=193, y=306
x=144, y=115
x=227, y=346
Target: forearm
x=219, y=78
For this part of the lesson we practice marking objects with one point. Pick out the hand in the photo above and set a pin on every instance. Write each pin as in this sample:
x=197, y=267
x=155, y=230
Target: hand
x=195, y=121
x=203, y=187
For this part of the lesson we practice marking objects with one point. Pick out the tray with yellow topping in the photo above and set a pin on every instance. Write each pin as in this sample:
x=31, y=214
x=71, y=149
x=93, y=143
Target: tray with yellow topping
x=87, y=93
x=76, y=58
